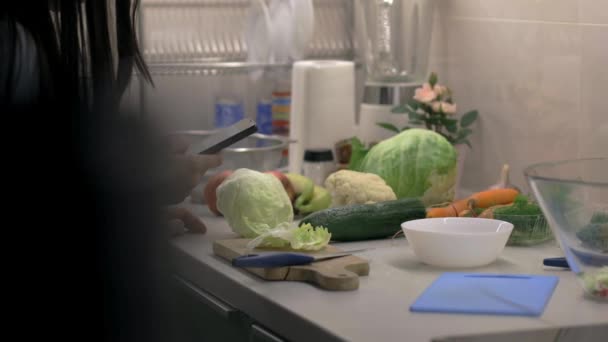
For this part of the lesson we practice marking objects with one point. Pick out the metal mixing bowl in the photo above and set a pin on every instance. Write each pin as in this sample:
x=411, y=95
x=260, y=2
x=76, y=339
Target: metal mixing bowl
x=258, y=152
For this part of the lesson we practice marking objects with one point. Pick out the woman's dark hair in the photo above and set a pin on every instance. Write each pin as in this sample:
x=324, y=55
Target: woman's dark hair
x=116, y=270
x=74, y=41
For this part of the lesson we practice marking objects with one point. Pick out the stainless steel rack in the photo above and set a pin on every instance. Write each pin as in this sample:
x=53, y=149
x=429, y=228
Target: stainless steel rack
x=205, y=37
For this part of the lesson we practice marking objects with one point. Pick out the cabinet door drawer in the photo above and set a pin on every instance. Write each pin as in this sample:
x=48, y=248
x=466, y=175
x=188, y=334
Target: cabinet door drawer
x=212, y=302
x=204, y=317
x=260, y=334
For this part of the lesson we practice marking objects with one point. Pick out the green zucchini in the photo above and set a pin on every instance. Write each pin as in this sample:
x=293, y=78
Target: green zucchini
x=367, y=221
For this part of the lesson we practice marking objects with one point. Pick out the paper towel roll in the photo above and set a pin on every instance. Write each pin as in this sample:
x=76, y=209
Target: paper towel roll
x=323, y=106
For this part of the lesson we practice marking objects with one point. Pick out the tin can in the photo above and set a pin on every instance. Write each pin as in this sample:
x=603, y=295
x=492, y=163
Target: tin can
x=228, y=111
x=264, y=116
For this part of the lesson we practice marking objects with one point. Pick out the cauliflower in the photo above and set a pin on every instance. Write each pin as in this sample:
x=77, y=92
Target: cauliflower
x=351, y=187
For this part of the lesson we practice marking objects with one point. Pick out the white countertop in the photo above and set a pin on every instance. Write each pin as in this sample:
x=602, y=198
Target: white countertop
x=379, y=309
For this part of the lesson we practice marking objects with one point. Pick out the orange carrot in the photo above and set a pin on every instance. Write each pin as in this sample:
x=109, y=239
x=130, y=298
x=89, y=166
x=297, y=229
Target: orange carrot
x=451, y=210
x=461, y=205
x=441, y=212
x=490, y=198
x=483, y=199
x=466, y=213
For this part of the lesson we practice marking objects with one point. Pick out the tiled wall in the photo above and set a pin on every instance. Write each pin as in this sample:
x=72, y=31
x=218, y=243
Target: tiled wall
x=537, y=71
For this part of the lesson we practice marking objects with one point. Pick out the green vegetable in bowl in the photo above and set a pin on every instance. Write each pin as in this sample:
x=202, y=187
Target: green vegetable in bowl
x=414, y=163
x=529, y=224
x=522, y=205
x=595, y=234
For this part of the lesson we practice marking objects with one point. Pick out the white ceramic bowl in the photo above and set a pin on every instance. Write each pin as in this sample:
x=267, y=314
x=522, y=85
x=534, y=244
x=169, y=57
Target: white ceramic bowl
x=457, y=241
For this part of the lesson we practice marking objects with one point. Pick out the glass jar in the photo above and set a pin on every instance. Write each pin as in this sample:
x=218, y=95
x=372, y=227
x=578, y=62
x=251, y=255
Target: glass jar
x=318, y=165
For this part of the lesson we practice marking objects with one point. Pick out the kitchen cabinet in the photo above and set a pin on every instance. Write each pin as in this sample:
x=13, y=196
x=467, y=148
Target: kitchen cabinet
x=204, y=317
x=379, y=309
x=261, y=334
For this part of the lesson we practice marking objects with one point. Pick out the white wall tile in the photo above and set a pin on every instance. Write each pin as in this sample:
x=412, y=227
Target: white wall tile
x=536, y=71
x=593, y=11
x=542, y=10
x=438, y=50
x=463, y=8
x=592, y=120
x=559, y=66
x=524, y=78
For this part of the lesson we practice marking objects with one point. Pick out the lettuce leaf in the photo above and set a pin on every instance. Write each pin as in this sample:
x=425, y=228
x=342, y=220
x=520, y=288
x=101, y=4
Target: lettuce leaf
x=304, y=237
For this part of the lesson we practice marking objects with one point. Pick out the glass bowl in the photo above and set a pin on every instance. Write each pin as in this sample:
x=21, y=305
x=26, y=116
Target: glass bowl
x=528, y=230
x=573, y=195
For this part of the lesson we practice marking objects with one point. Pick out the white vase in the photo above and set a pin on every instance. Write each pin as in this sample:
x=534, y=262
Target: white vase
x=461, y=150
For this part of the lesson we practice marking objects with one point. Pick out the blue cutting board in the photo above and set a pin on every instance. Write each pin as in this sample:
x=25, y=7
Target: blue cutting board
x=493, y=294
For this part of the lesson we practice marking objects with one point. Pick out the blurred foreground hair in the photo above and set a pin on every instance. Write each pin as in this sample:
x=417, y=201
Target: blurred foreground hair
x=87, y=49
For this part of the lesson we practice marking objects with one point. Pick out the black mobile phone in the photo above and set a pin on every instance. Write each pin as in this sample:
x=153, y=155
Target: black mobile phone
x=224, y=137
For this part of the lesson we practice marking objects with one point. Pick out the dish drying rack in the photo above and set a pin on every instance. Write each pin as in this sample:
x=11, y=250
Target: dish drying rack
x=205, y=37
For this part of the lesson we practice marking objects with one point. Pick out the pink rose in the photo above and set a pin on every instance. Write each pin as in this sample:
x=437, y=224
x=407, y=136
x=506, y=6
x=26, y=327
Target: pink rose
x=425, y=94
x=444, y=107
x=440, y=90
x=448, y=108
x=436, y=105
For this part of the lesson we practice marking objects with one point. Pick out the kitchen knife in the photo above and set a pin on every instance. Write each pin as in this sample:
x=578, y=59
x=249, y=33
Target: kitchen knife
x=556, y=262
x=281, y=259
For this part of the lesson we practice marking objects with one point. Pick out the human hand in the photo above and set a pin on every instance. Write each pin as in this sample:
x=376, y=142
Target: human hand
x=186, y=173
x=186, y=170
x=191, y=222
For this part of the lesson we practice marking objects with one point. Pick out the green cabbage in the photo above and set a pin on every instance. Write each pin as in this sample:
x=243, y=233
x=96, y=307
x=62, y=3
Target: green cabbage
x=415, y=163
x=305, y=237
x=253, y=202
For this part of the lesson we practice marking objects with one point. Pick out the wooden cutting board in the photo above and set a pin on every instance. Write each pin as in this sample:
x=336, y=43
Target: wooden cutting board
x=339, y=274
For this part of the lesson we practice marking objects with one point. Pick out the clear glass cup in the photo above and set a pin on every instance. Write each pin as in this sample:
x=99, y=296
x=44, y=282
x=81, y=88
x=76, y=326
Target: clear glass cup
x=573, y=195
x=382, y=29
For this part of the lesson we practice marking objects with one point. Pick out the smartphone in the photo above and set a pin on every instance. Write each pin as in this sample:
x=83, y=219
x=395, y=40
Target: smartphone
x=224, y=137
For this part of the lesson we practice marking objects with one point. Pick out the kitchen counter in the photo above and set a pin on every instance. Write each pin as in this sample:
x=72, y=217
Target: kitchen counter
x=379, y=309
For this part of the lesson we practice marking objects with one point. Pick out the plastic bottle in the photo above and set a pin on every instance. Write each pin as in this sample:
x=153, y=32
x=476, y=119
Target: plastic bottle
x=281, y=104
x=228, y=110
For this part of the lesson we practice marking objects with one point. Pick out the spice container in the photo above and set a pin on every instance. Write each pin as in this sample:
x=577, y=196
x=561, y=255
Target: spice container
x=318, y=164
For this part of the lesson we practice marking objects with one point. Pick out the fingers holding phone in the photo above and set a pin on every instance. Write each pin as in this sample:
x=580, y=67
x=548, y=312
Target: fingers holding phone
x=186, y=173
x=202, y=163
x=199, y=165
x=201, y=156
x=223, y=138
